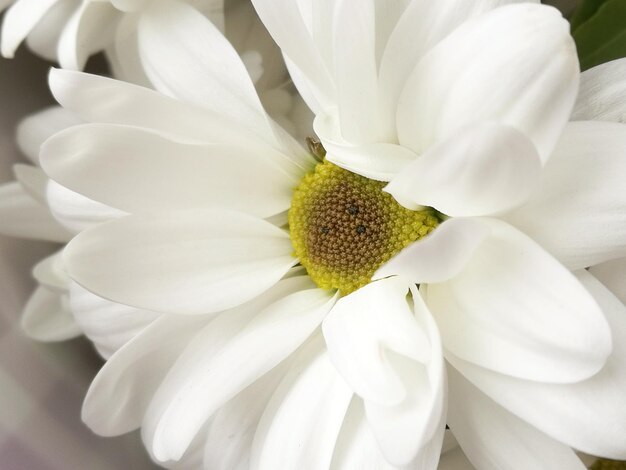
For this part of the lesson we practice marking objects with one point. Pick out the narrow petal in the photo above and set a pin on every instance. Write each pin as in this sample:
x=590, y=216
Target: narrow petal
x=587, y=415
x=359, y=330
x=139, y=171
x=484, y=169
x=517, y=311
x=89, y=30
x=213, y=260
x=527, y=79
x=107, y=324
x=118, y=397
x=33, y=130
x=50, y=272
x=19, y=20
x=577, y=213
x=182, y=52
x=22, y=216
x=612, y=274
x=300, y=425
x=493, y=439
x=441, y=255
x=276, y=332
x=47, y=317
x=602, y=95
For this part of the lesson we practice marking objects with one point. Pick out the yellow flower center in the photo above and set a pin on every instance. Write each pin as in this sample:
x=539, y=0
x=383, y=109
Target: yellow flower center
x=344, y=227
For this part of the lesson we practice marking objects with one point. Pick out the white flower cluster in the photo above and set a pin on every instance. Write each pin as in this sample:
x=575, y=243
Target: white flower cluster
x=461, y=172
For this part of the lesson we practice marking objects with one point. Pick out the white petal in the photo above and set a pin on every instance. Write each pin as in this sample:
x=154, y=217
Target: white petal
x=190, y=262
x=484, y=169
x=19, y=20
x=33, y=130
x=33, y=180
x=119, y=396
x=613, y=275
x=602, y=95
x=587, y=415
x=516, y=310
x=577, y=213
x=47, y=316
x=380, y=161
x=229, y=442
x=268, y=339
x=76, y=212
x=412, y=431
x=22, y=216
x=441, y=255
x=44, y=37
x=107, y=324
x=186, y=56
x=124, y=55
x=141, y=171
x=89, y=30
x=50, y=273
x=359, y=330
x=494, y=439
x=302, y=420
x=527, y=79
x=422, y=25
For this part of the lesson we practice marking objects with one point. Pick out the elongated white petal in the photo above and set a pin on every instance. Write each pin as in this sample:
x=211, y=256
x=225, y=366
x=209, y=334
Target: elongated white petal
x=47, y=316
x=441, y=255
x=494, y=439
x=186, y=56
x=22, y=216
x=302, y=420
x=484, y=169
x=412, y=431
x=268, y=339
x=19, y=20
x=577, y=213
x=612, y=274
x=107, y=324
x=33, y=180
x=50, y=272
x=422, y=25
x=118, y=397
x=141, y=171
x=89, y=30
x=527, y=79
x=362, y=326
x=33, y=130
x=214, y=260
x=516, y=310
x=599, y=413
x=76, y=212
x=602, y=95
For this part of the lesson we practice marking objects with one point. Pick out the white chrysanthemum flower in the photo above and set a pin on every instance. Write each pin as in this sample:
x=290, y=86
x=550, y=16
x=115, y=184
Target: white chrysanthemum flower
x=69, y=31
x=25, y=213
x=462, y=106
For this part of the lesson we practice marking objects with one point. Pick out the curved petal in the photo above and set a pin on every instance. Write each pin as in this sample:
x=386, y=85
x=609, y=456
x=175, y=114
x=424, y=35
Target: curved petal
x=33, y=180
x=602, y=95
x=577, y=213
x=527, y=79
x=517, y=311
x=34, y=129
x=107, y=324
x=138, y=170
x=22, y=216
x=271, y=336
x=19, y=20
x=50, y=273
x=302, y=420
x=186, y=56
x=359, y=330
x=484, y=169
x=612, y=274
x=441, y=255
x=587, y=415
x=47, y=316
x=118, y=397
x=191, y=262
x=493, y=439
